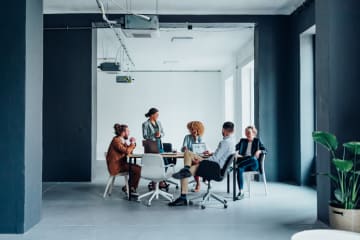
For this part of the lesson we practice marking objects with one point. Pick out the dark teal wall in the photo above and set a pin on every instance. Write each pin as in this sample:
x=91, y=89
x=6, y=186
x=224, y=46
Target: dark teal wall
x=20, y=121
x=300, y=21
x=337, y=81
x=67, y=105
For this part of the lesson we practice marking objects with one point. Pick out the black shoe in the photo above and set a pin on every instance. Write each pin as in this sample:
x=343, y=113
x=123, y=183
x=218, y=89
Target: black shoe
x=133, y=193
x=240, y=195
x=183, y=173
x=179, y=202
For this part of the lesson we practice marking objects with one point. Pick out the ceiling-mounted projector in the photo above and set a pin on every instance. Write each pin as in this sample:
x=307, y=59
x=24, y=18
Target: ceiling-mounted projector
x=110, y=67
x=139, y=27
x=124, y=79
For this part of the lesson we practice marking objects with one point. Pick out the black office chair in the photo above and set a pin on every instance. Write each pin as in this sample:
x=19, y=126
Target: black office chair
x=211, y=171
x=168, y=148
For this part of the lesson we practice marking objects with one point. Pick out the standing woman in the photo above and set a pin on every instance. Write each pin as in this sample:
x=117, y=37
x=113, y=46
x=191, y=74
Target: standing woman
x=196, y=130
x=152, y=128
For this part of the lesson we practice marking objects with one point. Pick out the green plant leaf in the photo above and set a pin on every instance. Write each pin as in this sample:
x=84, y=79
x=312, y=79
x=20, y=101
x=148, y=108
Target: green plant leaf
x=343, y=165
x=353, y=147
x=338, y=195
x=326, y=139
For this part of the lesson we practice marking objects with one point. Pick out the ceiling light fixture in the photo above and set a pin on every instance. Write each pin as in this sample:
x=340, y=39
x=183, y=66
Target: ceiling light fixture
x=181, y=38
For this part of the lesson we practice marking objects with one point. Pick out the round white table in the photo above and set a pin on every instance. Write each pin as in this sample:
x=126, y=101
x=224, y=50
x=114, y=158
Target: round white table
x=325, y=234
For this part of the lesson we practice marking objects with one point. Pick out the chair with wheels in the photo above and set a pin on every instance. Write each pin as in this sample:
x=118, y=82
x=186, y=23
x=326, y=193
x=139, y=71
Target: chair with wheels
x=248, y=175
x=172, y=161
x=111, y=181
x=153, y=169
x=211, y=171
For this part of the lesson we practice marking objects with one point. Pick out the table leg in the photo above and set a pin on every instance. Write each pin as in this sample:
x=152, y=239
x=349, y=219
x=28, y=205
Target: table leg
x=234, y=180
x=228, y=182
x=130, y=164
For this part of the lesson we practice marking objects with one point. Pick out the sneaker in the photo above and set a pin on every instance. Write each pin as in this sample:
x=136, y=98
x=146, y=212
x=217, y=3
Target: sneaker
x=133, y=193
x=240, y=195
x=183, y=173
x=178, y=202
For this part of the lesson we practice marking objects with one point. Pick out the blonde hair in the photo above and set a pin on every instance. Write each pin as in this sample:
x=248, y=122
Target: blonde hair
x=196, y=125
x=252, y=128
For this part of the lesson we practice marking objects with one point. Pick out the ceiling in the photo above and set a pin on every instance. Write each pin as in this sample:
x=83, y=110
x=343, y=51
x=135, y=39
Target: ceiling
x=209, y=50
x=176, y=7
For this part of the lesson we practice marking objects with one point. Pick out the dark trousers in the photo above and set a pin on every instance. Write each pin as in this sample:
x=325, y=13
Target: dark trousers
x=135, y=174
x=243, y=165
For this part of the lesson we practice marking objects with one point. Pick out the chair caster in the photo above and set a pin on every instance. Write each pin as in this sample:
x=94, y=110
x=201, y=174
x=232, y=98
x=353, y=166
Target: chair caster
x=148, y=204
x=203, y=207
x=191, y=203
x=225, y=205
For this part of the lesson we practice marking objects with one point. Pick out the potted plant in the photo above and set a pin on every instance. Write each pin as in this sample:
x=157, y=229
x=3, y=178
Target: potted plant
x=344, y=208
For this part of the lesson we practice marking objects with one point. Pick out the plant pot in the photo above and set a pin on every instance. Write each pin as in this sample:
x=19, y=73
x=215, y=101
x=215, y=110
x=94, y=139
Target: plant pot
x=344, y=219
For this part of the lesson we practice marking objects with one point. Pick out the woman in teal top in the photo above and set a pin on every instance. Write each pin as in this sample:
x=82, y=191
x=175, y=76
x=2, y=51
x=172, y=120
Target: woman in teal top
x=196, y=129
x=152, y=128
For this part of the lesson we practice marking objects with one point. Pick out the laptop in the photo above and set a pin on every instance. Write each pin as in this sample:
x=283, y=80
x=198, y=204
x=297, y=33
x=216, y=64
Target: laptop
x=198, y=148
x=150, y=146
x=167, y=148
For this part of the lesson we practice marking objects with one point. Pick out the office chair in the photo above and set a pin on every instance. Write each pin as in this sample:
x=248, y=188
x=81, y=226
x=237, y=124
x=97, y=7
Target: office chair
x=153, y=169
x=261, y=171
x=212, y=172
x=111, y=181
x=168, y=148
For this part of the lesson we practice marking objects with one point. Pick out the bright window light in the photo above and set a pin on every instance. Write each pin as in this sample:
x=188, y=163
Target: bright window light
x=229, y=99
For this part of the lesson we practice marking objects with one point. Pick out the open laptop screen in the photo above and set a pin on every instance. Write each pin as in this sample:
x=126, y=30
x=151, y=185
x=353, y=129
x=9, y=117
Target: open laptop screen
x=199, y=148
x=150, y=146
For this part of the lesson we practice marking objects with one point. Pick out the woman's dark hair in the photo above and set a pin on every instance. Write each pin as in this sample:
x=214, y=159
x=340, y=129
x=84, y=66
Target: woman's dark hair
x=119, y=128
x=151, y=111
x=228, y=126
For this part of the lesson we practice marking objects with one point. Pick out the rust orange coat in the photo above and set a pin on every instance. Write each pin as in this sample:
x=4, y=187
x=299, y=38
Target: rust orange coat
x=117, y=154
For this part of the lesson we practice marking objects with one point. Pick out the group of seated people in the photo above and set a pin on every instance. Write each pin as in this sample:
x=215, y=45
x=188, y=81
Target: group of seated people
x=249, y=151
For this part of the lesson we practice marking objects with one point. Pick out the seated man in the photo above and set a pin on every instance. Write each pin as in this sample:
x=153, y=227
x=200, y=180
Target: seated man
x=116, y=157
x=249, y=149
x=225, y=148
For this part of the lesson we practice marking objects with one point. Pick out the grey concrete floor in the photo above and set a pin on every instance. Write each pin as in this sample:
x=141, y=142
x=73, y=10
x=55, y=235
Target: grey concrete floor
x=77, y=211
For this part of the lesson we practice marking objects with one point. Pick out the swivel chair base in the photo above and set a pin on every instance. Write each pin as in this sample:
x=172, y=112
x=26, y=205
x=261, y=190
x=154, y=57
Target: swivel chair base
x=207, y=196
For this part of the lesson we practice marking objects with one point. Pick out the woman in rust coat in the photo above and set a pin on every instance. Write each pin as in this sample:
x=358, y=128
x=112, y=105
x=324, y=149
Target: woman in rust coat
x=117, y=154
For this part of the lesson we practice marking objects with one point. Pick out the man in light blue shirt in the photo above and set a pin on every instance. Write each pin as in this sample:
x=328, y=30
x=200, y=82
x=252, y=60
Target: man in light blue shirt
x=192, y=161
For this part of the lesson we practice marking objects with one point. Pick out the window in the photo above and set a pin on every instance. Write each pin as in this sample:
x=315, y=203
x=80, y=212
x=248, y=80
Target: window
x=247, y=95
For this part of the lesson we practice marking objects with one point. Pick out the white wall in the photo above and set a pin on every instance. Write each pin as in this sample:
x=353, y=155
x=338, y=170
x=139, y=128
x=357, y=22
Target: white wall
x=180, y=97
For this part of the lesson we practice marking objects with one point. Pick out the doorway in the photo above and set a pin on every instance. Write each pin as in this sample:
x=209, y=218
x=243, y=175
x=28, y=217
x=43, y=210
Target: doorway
x=307, y=105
